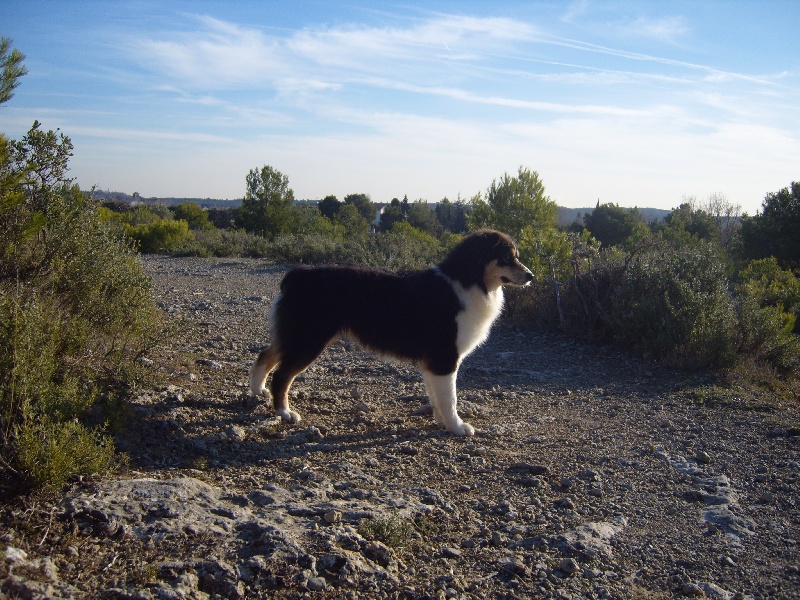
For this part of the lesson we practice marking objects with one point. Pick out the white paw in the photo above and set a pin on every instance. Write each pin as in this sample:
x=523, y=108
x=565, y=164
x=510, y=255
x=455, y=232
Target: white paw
x=289, y=416
x=262, y=391
x=464, y=429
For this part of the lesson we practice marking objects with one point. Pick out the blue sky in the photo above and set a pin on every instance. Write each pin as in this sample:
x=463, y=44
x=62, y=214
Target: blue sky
x=637, y=103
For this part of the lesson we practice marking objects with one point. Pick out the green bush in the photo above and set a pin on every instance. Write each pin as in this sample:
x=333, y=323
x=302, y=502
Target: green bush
x=162, y=236
x=768, y=301
x=75, y=311
x=674, y=303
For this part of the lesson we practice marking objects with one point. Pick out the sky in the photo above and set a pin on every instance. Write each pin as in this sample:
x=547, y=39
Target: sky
x=636, y=103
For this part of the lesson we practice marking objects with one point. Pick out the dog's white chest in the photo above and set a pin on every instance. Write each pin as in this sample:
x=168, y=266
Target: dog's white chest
x=475, y=320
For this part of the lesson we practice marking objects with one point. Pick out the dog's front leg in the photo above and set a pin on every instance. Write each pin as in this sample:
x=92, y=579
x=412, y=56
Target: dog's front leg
x=442, y=393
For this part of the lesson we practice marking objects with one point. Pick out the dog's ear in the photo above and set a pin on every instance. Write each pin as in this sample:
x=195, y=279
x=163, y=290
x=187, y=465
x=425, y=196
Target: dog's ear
x=467, y=262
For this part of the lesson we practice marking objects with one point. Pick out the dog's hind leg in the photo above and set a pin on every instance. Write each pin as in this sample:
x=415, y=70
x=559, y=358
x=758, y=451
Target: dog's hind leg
x=293, y=362
x=266, y=361
x=442, y=393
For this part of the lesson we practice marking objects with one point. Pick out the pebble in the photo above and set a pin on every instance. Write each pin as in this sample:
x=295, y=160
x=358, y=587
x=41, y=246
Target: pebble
x=702, y=457
x=569, y=566
x=333, y=516
x=316, y=584
x=691, y=589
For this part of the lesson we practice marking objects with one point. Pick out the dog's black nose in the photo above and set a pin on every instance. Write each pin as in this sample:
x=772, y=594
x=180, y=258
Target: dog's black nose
x=529, y=276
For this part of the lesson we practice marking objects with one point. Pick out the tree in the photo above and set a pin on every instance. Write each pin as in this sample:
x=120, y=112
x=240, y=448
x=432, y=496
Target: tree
x=687, y=221
x=44, y=158
x=776, y=230
x=613, y=225
x=391, y=214
x=364, y=205
x=11, y=69
x=452, y=215
x=194, y=215
x=423, y=218
x=329, y=206
x=514, y=203
x=355, y=226
x=267, y=206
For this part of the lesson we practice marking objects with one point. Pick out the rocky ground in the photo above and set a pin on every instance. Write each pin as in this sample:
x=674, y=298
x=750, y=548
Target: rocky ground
x=594, y=474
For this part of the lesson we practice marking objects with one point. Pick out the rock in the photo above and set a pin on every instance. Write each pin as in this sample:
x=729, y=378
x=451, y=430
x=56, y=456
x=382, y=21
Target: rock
x=691, y=589
x=449, y=552
x=702, y=457
x=497, y=539
x=317, y=584
x=523, y=467
x=333, y=516
x=569, y=566
x=591, y=540
x=515, y=566
x=15, y=555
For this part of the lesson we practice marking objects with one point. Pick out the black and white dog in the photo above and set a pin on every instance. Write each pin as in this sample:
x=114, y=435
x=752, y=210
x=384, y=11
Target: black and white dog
x=433, y=318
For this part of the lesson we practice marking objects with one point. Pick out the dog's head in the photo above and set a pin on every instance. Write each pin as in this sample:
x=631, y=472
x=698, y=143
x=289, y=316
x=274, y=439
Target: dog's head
x=488, y=259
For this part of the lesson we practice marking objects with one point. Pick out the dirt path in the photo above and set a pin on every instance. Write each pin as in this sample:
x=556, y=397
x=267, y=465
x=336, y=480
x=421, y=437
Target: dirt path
x=593, y=475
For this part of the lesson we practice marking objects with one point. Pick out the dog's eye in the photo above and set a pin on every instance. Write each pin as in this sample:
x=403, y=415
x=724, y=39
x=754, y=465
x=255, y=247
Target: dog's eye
x=506, y=261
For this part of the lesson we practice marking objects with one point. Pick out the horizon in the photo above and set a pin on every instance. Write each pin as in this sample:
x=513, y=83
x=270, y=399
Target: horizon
x=636, y=104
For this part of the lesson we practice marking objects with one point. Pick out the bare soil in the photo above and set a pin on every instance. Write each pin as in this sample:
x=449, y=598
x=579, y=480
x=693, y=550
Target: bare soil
x=594, y=474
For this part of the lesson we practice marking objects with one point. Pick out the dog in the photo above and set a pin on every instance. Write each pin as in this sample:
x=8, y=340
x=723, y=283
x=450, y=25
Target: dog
x=432, y=318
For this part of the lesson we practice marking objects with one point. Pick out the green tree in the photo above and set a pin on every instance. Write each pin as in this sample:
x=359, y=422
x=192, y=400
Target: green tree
x=44, y=158
x=688, y=222
x=329, y=206
x=776, y=230
x=364, y=205
x=267, y=205
x=613, y=225
x=423, y=218
x=391, y=214
x=452, y=215
x=514, y=203
x=355, y=226
x=11, y=69
x=194, y=215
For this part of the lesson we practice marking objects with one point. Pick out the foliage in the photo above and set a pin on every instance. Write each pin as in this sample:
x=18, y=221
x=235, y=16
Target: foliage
x=421, y=217
x=613, y=225
x=452, y=215
x=776, y=230
x=674, y=303
x=392, y=531
x=11, y=69
x=514, y=203
x=75, y=310
x=349, y=218
x=363, y=204
x=392, y=214
x=768, y=302
x=687, y=223
x=329, y=206
x=161, y=236
x=194, y=215
x=267, y=205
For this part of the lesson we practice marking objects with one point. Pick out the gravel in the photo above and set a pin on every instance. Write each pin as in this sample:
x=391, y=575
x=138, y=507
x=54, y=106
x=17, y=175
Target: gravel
x=594, y=474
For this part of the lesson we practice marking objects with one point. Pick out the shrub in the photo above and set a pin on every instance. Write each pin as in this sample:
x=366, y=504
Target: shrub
x=75, y=311
x=675, y=304
x=162, y=236
x=768, y=302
